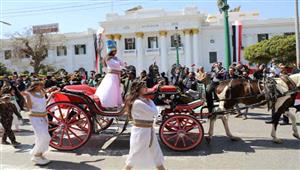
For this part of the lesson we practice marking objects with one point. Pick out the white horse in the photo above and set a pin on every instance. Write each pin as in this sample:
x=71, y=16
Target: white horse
x=237, y=89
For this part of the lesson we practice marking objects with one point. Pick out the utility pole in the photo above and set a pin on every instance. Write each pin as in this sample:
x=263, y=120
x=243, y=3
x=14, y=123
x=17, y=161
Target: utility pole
x=223, y=7
x=297, y=33
x=177, y=41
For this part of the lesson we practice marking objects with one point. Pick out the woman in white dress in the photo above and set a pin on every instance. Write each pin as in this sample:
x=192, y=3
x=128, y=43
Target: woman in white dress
x=144, y=150
x=36, y=103
x=109, y=91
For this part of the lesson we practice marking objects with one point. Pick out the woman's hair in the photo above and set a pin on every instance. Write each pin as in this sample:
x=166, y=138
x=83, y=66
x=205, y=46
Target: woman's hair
x=133, y=95
x=34, y=84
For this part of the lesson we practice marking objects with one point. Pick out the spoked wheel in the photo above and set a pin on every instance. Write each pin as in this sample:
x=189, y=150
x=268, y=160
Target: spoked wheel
x=70, y=126
x=181, y=132
x=101, y=123
x=167, y=116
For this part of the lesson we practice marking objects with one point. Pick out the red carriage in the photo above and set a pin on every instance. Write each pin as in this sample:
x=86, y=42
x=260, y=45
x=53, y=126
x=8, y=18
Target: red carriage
x=75, y=113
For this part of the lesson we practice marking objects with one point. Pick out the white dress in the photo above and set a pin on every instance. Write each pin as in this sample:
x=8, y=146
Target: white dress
x=40, y=126
x=109, y=91
x=140, y=154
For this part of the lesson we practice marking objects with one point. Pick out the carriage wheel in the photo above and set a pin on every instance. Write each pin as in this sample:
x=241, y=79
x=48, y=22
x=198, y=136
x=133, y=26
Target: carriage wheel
x=101, y=123
x=181, y=132
x=167, y=116
x=70, y=126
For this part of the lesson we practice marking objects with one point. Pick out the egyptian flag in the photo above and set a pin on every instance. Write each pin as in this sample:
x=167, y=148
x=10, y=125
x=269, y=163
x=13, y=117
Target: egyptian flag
x=237, y=41
x=96, y=54
x=98, y=49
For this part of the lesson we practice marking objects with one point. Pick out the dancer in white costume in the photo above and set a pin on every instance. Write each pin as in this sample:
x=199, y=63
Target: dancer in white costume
x=36, y=103
x=109, y=91
x=144, y=150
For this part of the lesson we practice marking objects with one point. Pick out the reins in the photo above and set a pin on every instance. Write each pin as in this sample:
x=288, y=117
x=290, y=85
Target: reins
x=292, y=91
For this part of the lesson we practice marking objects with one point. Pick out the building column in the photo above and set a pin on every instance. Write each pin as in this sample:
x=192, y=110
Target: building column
x=140, y=52
x=196, y=55
x=71, y=57
x=163, y=51
x=187, y=48
x=117, y=38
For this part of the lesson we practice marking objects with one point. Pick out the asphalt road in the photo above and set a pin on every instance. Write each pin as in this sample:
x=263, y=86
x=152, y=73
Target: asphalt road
x=254, y=151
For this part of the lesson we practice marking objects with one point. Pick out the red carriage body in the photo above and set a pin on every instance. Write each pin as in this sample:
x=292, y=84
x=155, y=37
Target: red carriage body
x=74, y=112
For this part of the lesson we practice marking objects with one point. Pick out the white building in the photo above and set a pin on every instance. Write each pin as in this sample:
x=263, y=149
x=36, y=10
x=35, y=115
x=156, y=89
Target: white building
x=70, y=51
x=145, y=36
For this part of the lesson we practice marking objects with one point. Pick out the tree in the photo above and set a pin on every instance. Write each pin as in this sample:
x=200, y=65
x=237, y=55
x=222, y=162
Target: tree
x=34, y=47
x=280, y=48
x=3, y=70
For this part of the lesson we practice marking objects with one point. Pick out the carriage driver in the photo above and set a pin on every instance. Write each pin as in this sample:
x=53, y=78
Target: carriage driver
x=218, y=74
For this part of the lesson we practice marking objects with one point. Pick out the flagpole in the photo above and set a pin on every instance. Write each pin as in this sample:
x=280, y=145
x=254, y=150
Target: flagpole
x=297, y=33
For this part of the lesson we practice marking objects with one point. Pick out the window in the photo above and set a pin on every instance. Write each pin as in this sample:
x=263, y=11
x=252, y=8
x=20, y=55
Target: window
x=152, y=42
x=80, y=49
x=289, y=33
x=61, y=50
x=7, y=54
x=213, y=57
x=176, y=39
x=262, y=37
x=129, y=43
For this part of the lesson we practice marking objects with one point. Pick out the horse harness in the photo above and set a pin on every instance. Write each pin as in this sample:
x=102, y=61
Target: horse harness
x=267, y=88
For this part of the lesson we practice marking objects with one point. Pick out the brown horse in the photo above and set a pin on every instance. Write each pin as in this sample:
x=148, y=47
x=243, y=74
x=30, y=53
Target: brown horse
x=232, y=92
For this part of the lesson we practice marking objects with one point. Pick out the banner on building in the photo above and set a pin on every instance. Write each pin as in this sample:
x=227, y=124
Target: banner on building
x=48, y=28
x=237, y=29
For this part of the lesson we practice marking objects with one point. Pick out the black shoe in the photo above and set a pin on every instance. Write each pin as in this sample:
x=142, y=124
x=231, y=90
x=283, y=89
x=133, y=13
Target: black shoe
x=284, y=123
x=5, y=143
x=15, y=143
x=269, y=121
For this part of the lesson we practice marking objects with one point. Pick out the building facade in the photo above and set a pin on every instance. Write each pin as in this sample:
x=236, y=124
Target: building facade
x=69, y=51
x=146, y=36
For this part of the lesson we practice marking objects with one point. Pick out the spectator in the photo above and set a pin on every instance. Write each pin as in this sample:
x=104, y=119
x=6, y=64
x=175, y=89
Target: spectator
x=259, y=73
x=165, y=79
x=49, y=81
x=92, y=79
x=231, y=74
x=190, y=82
x=246, y=76
x=176, y=79
x=143, y=76
x=201, y=76
x=296, y=69
x=127, y=82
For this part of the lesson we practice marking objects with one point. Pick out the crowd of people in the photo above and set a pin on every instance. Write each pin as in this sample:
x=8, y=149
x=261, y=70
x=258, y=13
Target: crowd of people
x=27, y=92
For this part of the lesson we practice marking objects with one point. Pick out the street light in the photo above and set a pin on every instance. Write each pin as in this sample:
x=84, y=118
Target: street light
x=297, y=33
x=6, y=23
x=177, y=43
x=223, y=7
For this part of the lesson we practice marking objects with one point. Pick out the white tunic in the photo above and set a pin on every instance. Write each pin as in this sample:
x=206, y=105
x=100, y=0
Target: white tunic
x=140, y=154
x=40, y=125
x=109, y=91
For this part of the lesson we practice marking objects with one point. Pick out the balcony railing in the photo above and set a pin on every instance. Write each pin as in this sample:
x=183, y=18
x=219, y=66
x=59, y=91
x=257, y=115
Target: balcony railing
x=152, y=51
x=129, y=51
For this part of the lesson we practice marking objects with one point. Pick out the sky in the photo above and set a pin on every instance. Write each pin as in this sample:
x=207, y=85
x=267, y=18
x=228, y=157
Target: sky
x=79, y=15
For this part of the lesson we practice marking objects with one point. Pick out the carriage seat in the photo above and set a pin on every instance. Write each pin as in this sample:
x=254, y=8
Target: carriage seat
x=162, y=89
x=87, y=90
